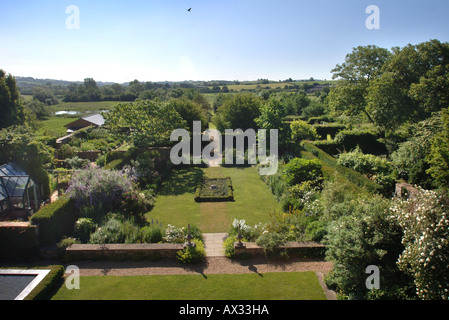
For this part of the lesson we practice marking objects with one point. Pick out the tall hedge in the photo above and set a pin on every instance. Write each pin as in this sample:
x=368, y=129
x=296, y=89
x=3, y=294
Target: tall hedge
x=328, y=129
x=367, y=141
x=352, y=175
x=18, y=244
x=55, y=220
x=49, y=285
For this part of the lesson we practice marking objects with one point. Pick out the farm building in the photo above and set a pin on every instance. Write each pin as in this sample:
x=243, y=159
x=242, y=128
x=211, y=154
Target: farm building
x=18, y=193
x=95, y=120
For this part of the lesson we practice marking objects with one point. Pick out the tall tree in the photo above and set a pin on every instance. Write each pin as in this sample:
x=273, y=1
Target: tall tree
x=11, y=107
x=361, y=67
x=272, y=115
x=439, y=155
x=190, y=112
x=413, y=83
x=145, y=122
x=239, y=112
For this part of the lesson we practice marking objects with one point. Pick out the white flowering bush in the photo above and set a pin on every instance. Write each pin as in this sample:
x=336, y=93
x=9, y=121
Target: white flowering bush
x=249, y=233
x=425, y=223
x=174, y=234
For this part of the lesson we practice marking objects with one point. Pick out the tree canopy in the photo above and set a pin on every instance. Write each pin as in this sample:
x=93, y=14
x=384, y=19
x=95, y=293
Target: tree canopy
x=145, y=122
x=239, y=112
x=392, y=87
x=11, y=107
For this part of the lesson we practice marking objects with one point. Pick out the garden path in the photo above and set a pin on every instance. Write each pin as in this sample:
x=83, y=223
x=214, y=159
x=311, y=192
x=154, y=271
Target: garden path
x=213, y=244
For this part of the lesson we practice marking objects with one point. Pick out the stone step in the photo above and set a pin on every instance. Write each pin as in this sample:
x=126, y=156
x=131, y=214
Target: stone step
x=213, y=244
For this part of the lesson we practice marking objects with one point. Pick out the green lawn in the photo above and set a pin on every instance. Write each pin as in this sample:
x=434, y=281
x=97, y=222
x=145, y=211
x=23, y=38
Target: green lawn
x=54, y=126
x=282, y=286
x=83, y=107
x=175, y=204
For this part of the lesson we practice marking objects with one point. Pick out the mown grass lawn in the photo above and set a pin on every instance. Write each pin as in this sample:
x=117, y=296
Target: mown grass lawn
x=267, y=286
x=83, y=107
x=175, y=203
x=54, y=126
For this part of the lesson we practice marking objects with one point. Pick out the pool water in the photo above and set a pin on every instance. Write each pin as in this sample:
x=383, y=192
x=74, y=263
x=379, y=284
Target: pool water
x=11, y=285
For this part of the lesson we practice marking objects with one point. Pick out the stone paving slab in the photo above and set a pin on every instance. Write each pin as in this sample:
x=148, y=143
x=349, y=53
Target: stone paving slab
x=213, y=244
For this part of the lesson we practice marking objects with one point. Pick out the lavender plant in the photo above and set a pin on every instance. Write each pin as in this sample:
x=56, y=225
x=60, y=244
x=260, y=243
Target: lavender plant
x=99, y=188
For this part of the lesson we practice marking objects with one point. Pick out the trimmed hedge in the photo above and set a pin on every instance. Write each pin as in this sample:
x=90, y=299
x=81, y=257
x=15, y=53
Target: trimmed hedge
x=320, y=119
x=49, y=285
x=55, y=220
x=215, y=198
x=18, y=244
x=328, y=129
x=353, y=176
x=330, y=147
x=332, y=174
x=366, y=140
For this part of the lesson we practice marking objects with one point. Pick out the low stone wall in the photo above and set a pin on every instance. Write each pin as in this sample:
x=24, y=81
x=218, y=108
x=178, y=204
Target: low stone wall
x=300, y=249
x=141, y=251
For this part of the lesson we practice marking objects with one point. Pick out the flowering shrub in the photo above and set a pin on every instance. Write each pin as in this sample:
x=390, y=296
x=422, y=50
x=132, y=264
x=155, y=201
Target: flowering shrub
x=116, y=231
x=135, y=204
x=365, y=163
x=99, y=188
x=250, y=233
x=425, y=223
x=174, y=234
x=301, y=196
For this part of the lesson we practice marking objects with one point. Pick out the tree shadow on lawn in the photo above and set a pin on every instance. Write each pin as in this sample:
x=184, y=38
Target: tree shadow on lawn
x=182, y=180
x=163, y=266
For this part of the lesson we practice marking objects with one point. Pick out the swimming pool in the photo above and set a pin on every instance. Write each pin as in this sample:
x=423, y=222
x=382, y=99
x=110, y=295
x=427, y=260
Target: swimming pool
x=16, y=284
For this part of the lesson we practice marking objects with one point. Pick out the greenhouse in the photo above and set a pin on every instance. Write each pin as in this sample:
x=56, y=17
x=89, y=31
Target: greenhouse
x=18, y=193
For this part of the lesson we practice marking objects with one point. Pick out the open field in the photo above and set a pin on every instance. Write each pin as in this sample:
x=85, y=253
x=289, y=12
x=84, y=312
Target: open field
x=83, y=107
x=271, y=85
x=282, y=286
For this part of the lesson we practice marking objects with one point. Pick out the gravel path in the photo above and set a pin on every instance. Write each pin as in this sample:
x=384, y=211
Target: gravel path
x=212, y=265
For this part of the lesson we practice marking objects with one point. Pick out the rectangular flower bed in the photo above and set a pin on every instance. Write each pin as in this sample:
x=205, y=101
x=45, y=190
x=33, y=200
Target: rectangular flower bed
x=214, y=190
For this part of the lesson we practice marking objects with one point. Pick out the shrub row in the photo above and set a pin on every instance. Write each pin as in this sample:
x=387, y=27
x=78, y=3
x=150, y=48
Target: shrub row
x=18, y=243
x=49, y=285
x=367, y=141
x=351, y=175
x=328, y=129
x=320, y=119
x=329, y=146
x=55, y=220
x=199, y=197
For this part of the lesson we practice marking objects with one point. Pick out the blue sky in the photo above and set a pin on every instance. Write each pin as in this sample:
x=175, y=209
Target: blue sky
x=149, y=40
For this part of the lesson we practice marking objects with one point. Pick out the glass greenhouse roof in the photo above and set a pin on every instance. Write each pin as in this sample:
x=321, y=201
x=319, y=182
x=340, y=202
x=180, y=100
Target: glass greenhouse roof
x=13, y=181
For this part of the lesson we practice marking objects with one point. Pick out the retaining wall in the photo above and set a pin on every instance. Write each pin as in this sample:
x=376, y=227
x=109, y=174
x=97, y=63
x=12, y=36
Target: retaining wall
x=139, y=251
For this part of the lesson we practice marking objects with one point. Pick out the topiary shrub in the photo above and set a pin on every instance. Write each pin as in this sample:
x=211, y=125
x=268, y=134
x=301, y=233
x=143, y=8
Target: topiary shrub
x=299, y=170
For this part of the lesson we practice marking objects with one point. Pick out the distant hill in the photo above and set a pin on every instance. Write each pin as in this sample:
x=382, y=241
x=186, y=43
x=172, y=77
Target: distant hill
x=26, y=84
x=59, y=87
